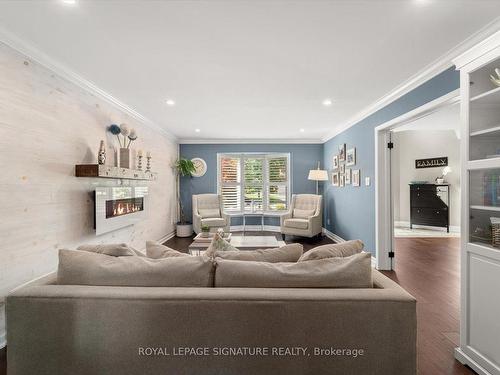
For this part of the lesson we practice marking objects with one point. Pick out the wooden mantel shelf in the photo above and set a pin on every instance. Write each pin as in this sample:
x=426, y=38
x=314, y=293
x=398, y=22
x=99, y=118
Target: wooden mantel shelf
x=106, y=171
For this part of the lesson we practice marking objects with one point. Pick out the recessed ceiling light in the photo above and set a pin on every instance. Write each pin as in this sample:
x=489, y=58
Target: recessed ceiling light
x=69, y=2
x=302, y=130
x=170, y=102
x=197, y=130
x=327, y=102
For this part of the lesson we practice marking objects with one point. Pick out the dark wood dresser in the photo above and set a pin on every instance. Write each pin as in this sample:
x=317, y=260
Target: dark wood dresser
x=430, y=205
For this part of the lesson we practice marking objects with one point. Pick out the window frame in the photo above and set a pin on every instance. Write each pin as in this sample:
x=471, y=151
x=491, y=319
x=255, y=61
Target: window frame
x=266, y=156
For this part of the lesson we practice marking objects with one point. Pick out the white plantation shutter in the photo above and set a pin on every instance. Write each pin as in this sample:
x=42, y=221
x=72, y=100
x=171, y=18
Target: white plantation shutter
x=230, y=180
x=254, y=182
x=278, y=183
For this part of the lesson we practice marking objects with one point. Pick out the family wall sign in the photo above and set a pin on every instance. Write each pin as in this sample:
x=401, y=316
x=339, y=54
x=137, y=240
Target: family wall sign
x=431, y=162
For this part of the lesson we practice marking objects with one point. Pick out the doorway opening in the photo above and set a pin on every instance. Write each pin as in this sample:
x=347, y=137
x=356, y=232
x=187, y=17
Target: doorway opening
x=416, y=157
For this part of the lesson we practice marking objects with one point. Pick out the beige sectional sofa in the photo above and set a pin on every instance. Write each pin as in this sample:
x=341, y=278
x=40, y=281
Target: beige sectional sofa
x=85, y=330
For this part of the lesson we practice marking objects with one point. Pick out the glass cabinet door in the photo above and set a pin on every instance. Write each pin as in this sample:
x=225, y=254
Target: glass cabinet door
x=484, y=156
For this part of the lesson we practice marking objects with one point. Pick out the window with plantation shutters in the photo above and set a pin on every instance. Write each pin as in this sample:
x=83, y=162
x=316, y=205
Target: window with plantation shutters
x=254, y=182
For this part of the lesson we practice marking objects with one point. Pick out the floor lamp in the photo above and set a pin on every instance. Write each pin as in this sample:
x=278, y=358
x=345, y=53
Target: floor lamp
x=318, y=175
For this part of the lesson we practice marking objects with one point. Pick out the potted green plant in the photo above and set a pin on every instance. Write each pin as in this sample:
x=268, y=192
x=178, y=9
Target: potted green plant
x=205, y=230
x=184, y=168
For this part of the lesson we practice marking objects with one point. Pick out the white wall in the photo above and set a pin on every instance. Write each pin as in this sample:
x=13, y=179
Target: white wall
x=421, y=144
x=47, y=125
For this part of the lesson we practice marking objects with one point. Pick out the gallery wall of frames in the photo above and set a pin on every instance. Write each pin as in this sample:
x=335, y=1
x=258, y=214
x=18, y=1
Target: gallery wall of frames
x=344, y=171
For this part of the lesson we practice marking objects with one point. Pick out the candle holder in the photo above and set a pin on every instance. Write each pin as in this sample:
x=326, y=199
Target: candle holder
x=139, y=162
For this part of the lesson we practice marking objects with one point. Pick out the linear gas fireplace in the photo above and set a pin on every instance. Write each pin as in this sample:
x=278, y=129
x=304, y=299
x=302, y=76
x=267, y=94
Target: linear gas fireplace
x=118, y=207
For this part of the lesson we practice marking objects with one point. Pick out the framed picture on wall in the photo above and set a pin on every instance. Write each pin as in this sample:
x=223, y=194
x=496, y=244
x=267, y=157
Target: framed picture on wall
x=347, y=175
x=335, y=162
x=351, y=156
x=342, y=180
x=335, y=179
x=355, y=177
x=342, y=168
x=342, y=152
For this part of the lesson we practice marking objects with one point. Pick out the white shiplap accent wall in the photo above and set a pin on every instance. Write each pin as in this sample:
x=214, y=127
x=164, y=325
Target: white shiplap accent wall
x=47, y=125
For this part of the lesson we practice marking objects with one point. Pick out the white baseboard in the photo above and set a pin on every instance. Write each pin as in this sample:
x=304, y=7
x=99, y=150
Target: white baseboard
x=466, y=360
x=166, y=237
x=255, y=228
x=332, y=236
x=406, y=224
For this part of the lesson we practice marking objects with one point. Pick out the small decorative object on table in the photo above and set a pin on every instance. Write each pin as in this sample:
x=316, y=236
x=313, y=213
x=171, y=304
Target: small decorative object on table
x=148, y=161
x=205, y=230
x=101, y=157
x=495, y=231
x=139, y=160
x=496, y=80
x=440, y=179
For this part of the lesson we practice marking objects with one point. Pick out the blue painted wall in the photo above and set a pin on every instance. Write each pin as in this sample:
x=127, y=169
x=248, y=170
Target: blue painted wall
x=350, y=210
x=303, y=158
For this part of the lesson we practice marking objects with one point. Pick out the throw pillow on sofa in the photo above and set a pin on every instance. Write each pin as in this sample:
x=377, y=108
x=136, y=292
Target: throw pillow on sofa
x=113, y=249
x=350, y=272
x=86, y=268
x=218, y=244
x=342, y=249
x=154, y=250
x=287, y=253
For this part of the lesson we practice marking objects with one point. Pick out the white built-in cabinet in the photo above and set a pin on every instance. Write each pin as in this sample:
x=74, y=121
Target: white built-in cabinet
x=480, y=254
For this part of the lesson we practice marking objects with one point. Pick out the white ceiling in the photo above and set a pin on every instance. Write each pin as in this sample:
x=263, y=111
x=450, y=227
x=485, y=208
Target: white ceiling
x=247, y=69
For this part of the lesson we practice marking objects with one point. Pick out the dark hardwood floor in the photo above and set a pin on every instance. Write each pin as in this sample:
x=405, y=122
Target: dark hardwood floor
x=428, y=268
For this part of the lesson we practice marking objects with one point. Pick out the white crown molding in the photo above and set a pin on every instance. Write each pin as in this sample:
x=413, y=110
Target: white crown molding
x=194, y=141
x=430, y=71
x=65, y=72
x=477, y=50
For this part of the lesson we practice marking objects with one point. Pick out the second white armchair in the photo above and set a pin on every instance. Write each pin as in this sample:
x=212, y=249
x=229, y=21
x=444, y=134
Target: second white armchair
x=208, y=210
x=305, y=217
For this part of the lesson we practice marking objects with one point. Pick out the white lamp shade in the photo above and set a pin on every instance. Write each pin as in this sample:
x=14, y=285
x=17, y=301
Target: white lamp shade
x=318, y=175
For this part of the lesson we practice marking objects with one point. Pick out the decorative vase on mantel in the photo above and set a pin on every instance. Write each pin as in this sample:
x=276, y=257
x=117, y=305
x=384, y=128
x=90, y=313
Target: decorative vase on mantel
x=124, y=157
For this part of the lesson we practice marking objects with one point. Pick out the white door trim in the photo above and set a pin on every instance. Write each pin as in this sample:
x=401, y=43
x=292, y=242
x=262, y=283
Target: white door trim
x=383, y=225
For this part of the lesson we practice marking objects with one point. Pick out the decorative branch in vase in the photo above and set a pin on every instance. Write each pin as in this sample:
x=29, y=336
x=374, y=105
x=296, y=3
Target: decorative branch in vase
x=127, y=135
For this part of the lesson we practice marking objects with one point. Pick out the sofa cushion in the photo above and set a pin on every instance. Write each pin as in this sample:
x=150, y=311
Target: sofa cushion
x=287, y=253
x=303, y=214
x=209, y=212
x=297, y=223
x=85, y=268
x=154, y=250
x=350, y=272
x=113, y=249
x=214, y=222
x=342, y=249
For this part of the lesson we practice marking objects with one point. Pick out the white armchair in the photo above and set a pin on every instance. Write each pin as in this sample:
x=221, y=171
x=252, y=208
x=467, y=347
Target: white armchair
x=305, y=217
x=208, y=210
